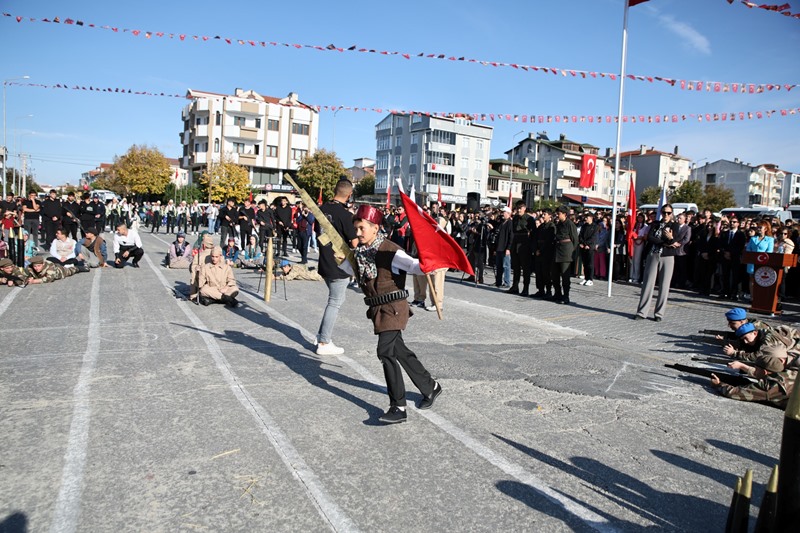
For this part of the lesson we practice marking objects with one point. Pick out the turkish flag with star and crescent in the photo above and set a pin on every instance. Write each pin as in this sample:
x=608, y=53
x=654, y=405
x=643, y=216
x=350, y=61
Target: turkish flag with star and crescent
x=588, y=166
x=435, y=247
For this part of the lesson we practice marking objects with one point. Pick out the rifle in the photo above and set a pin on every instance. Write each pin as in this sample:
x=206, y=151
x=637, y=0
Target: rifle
x=734, y=380
x=329, y=233
x=721, y=333
x=710, y=340
x=714, y=360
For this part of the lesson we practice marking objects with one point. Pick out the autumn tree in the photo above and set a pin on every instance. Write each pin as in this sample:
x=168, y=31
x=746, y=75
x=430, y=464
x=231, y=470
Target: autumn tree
x=110, y=181
x=225, y=179
x=688, y=192
x=323, y=169
x=717, y=198
x=365, y=186
x=142, y=170
x=650, y=195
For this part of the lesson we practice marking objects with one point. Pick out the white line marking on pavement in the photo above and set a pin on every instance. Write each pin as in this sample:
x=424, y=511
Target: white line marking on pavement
x=8, y=299
x=621, y=370
x=68, y=504
x=327, y=508
x=511, y=468
x=538, y=322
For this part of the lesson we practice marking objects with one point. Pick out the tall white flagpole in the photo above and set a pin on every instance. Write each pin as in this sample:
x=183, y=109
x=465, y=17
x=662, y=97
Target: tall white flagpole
x=617, y=147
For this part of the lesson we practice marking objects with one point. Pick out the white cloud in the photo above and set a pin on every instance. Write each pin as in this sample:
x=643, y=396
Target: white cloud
x=690, y=37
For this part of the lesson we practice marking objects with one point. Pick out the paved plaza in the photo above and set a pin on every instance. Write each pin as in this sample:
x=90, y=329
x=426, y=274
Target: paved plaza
x=126, y=408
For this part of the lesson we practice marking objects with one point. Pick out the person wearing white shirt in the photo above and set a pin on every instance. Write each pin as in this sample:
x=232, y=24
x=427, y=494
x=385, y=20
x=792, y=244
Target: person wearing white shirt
x=127, y=245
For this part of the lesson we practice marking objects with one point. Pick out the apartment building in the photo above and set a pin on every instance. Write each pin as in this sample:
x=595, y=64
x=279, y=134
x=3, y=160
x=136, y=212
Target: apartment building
x=269, y=136
x=654, y=167
x=450, y=153
x=751, y=185
x=791, y=188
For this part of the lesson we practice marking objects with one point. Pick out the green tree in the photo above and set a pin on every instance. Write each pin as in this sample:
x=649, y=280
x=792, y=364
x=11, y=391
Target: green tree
x=365, y=186
x=142, y=170
x=323, y=169
x=189, y=193
x=225, y=179
x=688, y=192
x=718, y=197
x=649, y=195
x=110, y=181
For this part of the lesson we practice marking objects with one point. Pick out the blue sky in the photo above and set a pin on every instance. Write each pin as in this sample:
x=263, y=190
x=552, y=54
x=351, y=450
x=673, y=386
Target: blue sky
x=73, y=131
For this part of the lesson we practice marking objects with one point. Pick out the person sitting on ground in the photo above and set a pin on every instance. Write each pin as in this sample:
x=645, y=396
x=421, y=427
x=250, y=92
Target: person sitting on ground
x=12, y=275
x=202, y=256
x=42, y=271
x=180, y=253
x=127, y=245
x=62, y=252
x=216, y=281
x=775, y=382
x=92, y=250
x=291, y=272
x=230, y=253
x=252, y=255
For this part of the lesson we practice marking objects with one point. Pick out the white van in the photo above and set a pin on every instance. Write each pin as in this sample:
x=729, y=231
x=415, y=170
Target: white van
x=105, y=196
x=756, y=212
x=676, y=208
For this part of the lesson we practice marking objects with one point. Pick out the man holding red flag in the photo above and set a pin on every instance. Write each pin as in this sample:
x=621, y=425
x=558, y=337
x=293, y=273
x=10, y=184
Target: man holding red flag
x=382, y=268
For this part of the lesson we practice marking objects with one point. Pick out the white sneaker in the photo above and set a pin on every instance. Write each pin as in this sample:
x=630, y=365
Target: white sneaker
x=580, y=277
x=329, y=349
x=589, y=283
x=583, y=282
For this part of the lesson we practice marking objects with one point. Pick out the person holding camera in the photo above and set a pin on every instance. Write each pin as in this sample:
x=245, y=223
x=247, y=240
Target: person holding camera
x=305, y=225
x=477, y=240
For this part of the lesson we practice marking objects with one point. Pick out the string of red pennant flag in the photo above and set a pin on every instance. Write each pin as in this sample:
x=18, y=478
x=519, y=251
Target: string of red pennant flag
x=783, y=9
x=481, y=117
x=688, y=85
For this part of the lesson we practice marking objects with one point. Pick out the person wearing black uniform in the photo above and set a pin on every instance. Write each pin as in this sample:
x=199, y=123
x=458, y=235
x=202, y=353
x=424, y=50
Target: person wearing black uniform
x=246, y=218
x=566, y=239
x=70, y=214
x=505, y=234
x=30, y=218
x=228, y=221
x=283, y=218
x=99, y=214
x=477, y=240
x=543, y=255
x=87, y=212
x=522, y=224
x=51, y=215
x=156, y=217
x=265, y=222
x=335, y=278
x=587, y=244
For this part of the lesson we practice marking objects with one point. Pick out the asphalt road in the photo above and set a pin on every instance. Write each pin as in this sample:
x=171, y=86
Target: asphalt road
x=125, y=408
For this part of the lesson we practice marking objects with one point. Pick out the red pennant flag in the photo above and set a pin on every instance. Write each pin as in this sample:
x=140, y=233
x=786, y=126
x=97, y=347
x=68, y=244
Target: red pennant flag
x=588, y=165
x=436, y=249
x=636, y=2
x=631, y=217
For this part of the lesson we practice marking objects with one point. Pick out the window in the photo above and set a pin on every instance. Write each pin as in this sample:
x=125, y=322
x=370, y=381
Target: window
x=463, y=183
x=218, y=118
x=476, y=185
x=436, y=178
x=465, y=162
x=238, y=148
x=383, y=142
x=444, y=137
x=416, y=118
x=256, y=149
x=397, y=160
x=415, y=138
x=238, y=121
x=711, y=178
x=271, y=151
x=479, y=164
x=273, y=125
x=383, y=162
x=298, y=155
x=465, y=142
x=200, y=121
x=299, y=129
x=258, y=123
x=216, y=146
x=413, y=159
x=398, y=141
x=479, y=144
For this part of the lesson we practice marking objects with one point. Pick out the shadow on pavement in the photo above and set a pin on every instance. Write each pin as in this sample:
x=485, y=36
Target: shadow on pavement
x=666, y=511
x=743, y=452
x=16, y=522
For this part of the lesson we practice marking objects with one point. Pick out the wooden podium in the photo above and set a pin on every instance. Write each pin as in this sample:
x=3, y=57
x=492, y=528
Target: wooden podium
x=767, y=277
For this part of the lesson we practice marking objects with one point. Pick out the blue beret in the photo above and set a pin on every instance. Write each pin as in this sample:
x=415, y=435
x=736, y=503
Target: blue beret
x=744, y=329
x=285, y=263
x=737, y=313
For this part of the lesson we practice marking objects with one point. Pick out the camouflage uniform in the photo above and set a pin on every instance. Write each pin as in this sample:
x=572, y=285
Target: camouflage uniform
x=300, y=272
x=781, y=341
x=775, y=389
x=18, y=276
x=51, y=272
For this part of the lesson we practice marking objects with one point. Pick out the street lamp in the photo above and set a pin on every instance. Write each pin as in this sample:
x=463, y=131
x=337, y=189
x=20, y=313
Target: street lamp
x=16, y=151
x=5, y=138
x=694, y=168
x=511, y=174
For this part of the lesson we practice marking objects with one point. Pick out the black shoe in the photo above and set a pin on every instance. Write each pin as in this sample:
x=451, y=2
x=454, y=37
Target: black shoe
x=205, y=300
x=230, y=301
x=524, y=292
x=513, y=290
x=564, y=300
x=135, y=265
x=394, y=415
x=83, y=268
x=427, y=402
x=470, y=279
x=638, y=317
x=657, y=319
x=539, y=294
x=553, y=297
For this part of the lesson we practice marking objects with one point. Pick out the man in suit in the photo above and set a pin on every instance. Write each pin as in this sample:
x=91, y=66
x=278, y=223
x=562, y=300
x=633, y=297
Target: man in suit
x=733, y=243
x=683, y=237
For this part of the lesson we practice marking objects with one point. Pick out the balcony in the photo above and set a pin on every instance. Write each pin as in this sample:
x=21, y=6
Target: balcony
x=200, y=158
x=185, y=136
x=572, y=174
x=247, y=159
x=201, y=131
x=440, y=147
x=248, y=133
x=201, y=105
x=243, y=108
x=441, y=169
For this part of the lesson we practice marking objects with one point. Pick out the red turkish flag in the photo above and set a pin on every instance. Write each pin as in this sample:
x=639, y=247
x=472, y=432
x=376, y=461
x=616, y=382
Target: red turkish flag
x=439, y=195
x=436, y=248
x=636, y=2
x=588, y=165
x=631, y=217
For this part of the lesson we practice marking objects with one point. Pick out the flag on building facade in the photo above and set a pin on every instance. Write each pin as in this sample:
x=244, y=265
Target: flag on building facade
x=588, y=167
x=436, y=248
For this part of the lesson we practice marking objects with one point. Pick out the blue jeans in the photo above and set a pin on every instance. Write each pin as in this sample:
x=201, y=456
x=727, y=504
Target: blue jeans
x=337, y=290
x=502, y=269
